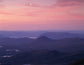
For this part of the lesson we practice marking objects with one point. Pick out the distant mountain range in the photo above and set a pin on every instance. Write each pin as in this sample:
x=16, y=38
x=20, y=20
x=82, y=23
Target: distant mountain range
x=21, y=34
x=43, y=42
x=2, y=36
x=61, y=35
x=35, y=34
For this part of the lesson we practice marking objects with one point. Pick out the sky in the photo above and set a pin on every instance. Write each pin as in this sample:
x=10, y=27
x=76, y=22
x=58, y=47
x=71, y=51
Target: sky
x=26, y=15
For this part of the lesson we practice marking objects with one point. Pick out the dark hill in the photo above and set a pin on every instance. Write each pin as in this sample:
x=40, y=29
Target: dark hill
x=67, y=44
x=43, y=38
x=61, y=35
x=79, y=62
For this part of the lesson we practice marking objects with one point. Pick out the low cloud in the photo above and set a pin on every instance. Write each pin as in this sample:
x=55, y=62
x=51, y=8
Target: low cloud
x=64, y=3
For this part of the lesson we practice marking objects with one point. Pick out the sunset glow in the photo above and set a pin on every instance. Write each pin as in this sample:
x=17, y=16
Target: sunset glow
x=41, y=15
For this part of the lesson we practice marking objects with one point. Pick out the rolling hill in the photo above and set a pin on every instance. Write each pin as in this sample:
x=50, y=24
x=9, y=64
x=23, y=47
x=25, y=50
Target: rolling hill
x=61, y=35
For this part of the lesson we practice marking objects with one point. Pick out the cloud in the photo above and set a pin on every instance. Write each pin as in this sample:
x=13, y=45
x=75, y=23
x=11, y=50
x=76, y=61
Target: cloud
x=32, y=5
x=5, y=13
x=70, y=0
x=1, y=0
x=63, y=3
x=1, y=4
x=35, y=5
x=36, y=10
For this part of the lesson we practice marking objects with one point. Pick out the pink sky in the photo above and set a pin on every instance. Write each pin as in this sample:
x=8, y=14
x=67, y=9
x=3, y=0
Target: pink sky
x=41, y=15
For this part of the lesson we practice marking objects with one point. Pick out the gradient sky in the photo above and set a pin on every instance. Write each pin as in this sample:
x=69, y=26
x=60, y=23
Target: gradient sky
x=41, y=15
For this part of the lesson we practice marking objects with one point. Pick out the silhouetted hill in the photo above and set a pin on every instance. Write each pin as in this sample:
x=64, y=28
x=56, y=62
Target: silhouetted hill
x=79, y=62
x=67, y=44
x=41, y=43
x=61, y=35
x=43, y=38
x=45, y=50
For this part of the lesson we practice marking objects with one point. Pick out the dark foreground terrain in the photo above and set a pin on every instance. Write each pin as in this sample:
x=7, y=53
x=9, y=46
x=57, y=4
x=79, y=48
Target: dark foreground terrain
x=43, y=57
x=41, y=51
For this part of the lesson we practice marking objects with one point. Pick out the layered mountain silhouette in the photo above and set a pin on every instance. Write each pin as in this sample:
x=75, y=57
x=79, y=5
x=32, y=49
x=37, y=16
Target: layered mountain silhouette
x=42, y=50
x=61, y=35
x=43, y=42
x=67, y=44
x=53, y=35
x=42, y=38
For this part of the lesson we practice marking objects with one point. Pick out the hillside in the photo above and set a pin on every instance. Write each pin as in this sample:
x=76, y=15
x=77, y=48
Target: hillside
x=67, y=44
x=27, y=44
x=42, y=50
x=79, y=62
x=61, y=35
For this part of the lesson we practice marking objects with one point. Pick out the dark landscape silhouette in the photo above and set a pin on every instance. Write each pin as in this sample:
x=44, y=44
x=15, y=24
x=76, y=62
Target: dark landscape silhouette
x=44, y=49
